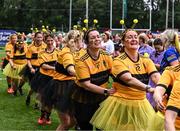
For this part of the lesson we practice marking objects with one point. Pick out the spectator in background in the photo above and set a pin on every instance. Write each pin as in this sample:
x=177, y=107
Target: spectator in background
x=117, y=39
x=107, y=43
x=144, y=49
x=171, y=55
x=156, y=57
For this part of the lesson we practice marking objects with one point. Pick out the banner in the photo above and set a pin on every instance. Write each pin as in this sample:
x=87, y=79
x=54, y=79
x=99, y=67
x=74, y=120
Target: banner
x=4, y=35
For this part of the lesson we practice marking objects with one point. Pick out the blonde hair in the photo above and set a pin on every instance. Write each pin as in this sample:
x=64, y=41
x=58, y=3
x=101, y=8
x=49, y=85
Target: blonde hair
x=72, y=35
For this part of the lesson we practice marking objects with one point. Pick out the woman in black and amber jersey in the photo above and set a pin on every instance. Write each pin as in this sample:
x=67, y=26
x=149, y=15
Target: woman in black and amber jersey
x=173, y=108
x=9, y=47
x=57, y=93
x=93, y=69
x=47, y=60
x=162, y=93
x=128, y=108
x=17, y=62
x=32, y=56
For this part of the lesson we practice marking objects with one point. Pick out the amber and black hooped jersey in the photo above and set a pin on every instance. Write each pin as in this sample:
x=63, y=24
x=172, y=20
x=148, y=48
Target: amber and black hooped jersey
x=174, y=99
x=9, y=47
x=32, y=53
x=45, y=57
x=65, y=59
x=167, y=81
x=142, y=69
x=97, y=71
x=20, y=58
x=168, y=78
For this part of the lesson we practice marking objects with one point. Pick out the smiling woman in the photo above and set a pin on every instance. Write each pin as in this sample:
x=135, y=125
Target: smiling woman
x=131, y=72
x=93, y=69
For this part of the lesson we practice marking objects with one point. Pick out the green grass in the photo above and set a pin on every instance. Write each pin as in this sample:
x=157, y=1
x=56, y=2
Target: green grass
x=15, y=115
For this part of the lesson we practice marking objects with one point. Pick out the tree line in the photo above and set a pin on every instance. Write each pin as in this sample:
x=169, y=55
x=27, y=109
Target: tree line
x=22, y=15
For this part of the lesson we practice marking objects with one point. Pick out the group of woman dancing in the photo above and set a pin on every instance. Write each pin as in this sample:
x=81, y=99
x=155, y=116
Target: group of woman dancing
x=74, y=80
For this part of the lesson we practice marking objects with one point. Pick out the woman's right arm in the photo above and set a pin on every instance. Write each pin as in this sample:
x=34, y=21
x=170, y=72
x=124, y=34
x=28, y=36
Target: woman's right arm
x=96, y=89
x=135, y=83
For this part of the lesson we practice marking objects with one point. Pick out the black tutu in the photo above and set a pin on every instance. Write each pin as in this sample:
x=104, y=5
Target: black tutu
x=81, y=95
x=39, y=81
x=27, y=73
x=57, y=94
x=4, y=63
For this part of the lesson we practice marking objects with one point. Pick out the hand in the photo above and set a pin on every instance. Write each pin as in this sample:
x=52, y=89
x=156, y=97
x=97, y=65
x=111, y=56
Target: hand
x=33, y=70
x=159, y=102
x=13, y=66
x=111, y=91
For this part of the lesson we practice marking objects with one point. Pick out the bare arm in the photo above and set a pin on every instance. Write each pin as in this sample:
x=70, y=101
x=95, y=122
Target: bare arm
x=71, y=70
x=135, y=83
x=176, y=62
x=158, y=97
x=48, y=67
x=170, y=117
x=155, y=77
x=96, y=89
x=30, y=66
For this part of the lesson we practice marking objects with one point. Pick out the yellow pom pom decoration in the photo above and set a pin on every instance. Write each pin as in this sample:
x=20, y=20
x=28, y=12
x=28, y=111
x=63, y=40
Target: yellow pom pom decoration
x=75, y=27
x=31, y=28
x=121, y=22
x=47, y=27
x=135, y=21
x=85, y=21
x=95, y=21
x=146, y=54
x=43, y=26
x=44, y=30
x=84, y=29
x=54, y=30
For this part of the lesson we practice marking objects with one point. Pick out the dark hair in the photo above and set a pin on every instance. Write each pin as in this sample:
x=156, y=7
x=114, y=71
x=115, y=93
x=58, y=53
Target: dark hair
x=35, y=35
x=158, y=41
x=123, y=35
x=86, y=36
x=48, y=35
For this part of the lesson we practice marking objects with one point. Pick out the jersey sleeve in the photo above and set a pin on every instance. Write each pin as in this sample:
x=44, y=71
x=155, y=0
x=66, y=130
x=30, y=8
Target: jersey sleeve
x=165, y=79
x=119, y=68
x=67, y=60
x=40, y=58
x=29, y=53
x=82, y=71
x=150, y=67
x=170, y=56
x=174, y=100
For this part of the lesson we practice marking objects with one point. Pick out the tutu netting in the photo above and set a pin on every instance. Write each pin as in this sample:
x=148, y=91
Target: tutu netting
x=27, y=73
x=116, y=113
x=39, y=81
x=81, y=95
x=157, y=123
x=13, y=73
x=4, y=63
x=57, y=94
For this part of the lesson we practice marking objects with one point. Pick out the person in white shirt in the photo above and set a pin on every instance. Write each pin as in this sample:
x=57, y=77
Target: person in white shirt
x=107, y=43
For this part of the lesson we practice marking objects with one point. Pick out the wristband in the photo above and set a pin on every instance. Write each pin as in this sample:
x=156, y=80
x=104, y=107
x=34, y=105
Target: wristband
x=147, y=88
x=105, y=92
